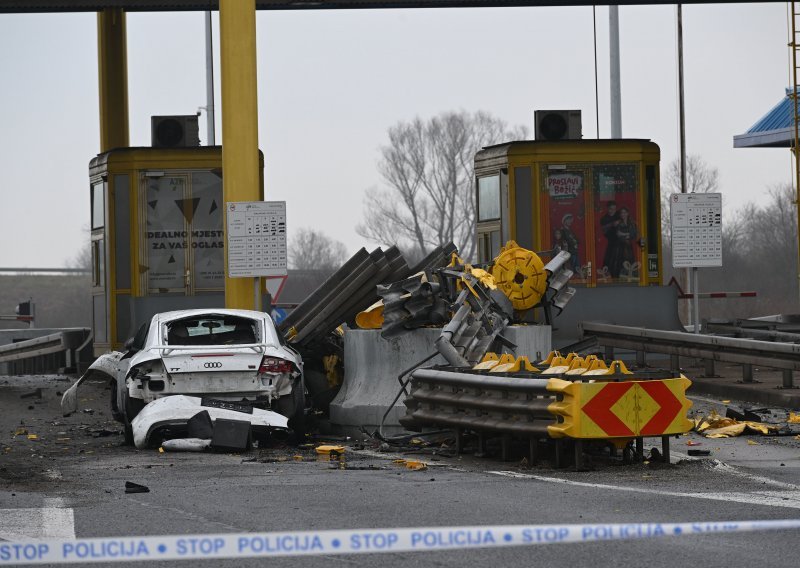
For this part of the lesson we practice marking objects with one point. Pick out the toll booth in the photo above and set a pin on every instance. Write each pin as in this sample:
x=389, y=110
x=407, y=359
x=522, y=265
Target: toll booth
x=597, y=199
x=157, y=236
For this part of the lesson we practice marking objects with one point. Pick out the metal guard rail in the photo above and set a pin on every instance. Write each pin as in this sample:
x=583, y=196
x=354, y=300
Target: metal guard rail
x=480, y=402
x=54, y=343
x=715, y=348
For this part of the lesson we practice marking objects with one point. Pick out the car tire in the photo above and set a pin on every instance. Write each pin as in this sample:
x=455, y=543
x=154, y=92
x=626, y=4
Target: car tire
x=132, y=407
x=293, y=406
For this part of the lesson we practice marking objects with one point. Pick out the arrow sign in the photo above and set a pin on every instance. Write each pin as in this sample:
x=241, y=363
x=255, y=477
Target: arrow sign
x=599, y=409
x=670, y=407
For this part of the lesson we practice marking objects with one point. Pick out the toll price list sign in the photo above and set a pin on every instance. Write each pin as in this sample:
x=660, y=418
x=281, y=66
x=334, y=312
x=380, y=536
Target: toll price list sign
x=696, y=223
x=256, y=238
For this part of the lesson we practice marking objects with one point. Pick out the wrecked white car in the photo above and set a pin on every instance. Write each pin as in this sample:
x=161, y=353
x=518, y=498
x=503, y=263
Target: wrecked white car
x=222, y=355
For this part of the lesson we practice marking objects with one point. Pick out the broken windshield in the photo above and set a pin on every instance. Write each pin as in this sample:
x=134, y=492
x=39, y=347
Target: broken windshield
x=212, y=330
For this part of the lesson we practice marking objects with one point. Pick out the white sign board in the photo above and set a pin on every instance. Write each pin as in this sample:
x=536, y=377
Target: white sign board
x=256, y=238
x=696, y=224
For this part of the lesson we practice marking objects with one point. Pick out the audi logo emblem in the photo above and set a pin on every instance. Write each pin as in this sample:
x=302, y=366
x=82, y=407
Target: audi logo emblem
x=212, y=365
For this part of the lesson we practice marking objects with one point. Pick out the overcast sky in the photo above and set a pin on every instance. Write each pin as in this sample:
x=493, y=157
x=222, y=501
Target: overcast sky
x=330, y=83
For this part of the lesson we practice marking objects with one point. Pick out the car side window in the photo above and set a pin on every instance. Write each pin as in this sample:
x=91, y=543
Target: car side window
x=140, y=337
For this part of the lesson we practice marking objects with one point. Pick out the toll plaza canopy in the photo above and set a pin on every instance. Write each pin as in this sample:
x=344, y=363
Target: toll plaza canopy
x=19, y=6
x=774, y=130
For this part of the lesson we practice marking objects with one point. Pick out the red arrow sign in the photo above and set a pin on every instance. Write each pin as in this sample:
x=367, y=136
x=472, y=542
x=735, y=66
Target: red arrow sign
x=670, y=407
x=599, y=409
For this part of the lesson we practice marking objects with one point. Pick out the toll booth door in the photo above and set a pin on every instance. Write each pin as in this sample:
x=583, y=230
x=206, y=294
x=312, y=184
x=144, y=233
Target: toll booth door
x=183, y=235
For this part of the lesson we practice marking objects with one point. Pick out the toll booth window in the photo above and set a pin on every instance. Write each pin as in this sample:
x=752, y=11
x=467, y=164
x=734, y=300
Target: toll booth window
x=489, y=198
x=98, y=206
x=98, y=262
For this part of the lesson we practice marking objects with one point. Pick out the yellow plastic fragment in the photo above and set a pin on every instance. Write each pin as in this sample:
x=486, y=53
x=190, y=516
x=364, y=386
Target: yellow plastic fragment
x=20, y=432
x=752, y=443
x=484, y=277
x=372, y=317
x=160, y=450
x=794, y=418
x=416, y=465
x=33, y=437
x=725, y=431
x=328, y=450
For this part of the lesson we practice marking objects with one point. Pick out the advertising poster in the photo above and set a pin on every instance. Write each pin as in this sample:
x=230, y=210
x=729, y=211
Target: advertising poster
x=166, y=233
x=566, y=195
x=184, y=233
x=208, y=240
x=616, y=230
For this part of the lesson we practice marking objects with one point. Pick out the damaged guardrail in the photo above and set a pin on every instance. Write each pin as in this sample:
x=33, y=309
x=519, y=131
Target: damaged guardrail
x=473, y=401
x=574, y=398
x=68, y=341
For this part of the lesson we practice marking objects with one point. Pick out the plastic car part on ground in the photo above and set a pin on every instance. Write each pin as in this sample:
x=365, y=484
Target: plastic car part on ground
x=177, y=410
x=717, y=426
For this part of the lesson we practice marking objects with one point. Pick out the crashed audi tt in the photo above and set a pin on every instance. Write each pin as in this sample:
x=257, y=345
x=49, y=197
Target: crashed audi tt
x=225, y=358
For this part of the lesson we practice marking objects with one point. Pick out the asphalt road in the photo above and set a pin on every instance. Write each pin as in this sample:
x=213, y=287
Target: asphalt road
x=70, y=480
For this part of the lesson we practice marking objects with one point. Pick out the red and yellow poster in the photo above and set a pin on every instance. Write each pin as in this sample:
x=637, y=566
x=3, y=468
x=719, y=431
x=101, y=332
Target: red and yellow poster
x=616, y=226
x=567, y=210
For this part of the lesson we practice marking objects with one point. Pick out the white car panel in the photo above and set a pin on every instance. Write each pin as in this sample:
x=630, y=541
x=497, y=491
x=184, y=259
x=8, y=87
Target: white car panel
x=179, y=409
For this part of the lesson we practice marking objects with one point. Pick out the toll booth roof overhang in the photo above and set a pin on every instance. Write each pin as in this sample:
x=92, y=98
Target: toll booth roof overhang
x=774, y=130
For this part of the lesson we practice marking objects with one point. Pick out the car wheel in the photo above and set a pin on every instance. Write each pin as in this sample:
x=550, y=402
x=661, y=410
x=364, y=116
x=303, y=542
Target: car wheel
x=293, y=406
x=133, y=406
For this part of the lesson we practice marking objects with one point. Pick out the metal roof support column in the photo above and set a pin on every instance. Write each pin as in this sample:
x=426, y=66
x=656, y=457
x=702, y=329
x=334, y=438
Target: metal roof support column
x=112, y=64
x=240, y=164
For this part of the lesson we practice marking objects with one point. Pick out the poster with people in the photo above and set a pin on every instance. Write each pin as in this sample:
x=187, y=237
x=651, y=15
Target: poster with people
x=566, y=197
x=617, y=233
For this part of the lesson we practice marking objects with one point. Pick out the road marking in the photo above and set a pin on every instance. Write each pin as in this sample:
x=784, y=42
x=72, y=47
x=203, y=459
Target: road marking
x=789, y=499
x=53, y=521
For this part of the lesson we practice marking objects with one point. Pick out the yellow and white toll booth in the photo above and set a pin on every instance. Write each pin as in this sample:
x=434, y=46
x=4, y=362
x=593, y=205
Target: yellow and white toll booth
x=157, y=230
x=598, y=199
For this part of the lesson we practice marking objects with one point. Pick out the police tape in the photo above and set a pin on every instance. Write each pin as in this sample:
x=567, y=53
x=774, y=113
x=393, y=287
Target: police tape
x=308, y=543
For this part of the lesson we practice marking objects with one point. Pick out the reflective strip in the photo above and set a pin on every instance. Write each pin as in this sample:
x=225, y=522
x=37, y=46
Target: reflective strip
x=310, y=543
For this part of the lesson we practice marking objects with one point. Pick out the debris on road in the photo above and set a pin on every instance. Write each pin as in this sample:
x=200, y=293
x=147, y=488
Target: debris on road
x=765, y=421
x=186, y=445
x=330, y=450
x=131, y=487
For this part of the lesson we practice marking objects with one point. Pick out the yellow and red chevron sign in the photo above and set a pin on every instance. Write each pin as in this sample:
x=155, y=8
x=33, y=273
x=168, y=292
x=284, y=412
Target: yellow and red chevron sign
x=625, y=409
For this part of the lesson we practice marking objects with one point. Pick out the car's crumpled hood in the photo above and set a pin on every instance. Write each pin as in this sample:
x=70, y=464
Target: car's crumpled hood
x=178, y=409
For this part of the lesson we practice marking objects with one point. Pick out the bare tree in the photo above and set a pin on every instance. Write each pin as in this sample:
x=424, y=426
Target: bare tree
x=700, y=178
x=314, y=250
x=428, y=169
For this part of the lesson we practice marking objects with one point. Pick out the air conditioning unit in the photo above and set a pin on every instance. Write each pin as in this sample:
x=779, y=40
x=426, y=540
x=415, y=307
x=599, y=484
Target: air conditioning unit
x=558, y=124
x=180, y=131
